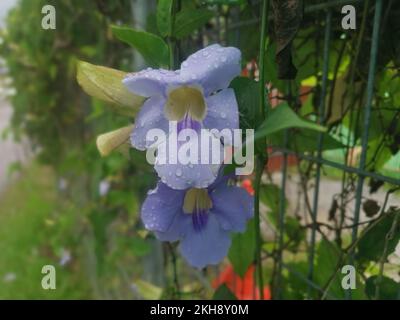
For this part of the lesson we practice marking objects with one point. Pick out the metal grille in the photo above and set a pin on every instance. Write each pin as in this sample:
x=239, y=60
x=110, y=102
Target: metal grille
x=358, y=173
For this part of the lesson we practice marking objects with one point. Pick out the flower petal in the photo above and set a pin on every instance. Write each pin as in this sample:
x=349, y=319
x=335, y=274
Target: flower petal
x=151, y=82
x=222, y=113
x=151, y=116
x=208, y=246
x=177, y=230
x=232, y=206
x=160, y=207
x=178, y=175
x=213, y=67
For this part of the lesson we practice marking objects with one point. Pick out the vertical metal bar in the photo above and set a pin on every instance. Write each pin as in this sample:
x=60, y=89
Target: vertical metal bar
x=321, y=111
x=366, y=122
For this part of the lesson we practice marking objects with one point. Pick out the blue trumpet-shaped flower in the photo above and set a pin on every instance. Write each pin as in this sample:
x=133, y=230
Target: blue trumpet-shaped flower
x=201, y=219
x=195, y=97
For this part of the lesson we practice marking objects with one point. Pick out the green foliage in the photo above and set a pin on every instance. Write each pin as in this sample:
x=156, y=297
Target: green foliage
x=294, y=233
x=386, y=231
x=153, y=48
x=25, y=250
x=283, y=117
x=223, y=293
x=248, y=97
x=305, y=140
x=164, y=17
x=189, y=20
x=225, y=2
x=328, y=255
x=241, y=253
x=388, y=288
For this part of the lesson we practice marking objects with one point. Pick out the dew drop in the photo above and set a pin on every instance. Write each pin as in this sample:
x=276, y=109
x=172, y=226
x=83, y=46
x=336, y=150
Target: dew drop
x=178, y=172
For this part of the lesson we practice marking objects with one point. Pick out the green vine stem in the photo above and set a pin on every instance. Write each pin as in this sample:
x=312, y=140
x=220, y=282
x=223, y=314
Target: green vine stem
x=171, y=39
x=261, y=158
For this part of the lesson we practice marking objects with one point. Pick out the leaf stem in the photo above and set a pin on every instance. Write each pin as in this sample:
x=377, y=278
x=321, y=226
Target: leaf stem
x=257, y=182
x=171, y=40
x=263, y=42
x=261, y=158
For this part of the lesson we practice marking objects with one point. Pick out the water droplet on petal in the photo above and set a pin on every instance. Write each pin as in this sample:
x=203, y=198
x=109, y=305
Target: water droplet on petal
x=223, y=115
x=178, y=172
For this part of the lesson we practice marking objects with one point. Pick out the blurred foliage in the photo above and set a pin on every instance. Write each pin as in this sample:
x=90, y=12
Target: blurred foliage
x=96, y=196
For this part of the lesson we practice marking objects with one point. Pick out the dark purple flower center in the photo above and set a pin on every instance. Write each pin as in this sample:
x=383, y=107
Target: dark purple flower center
x=197, y=202
x=188, y=123
x=199, y=220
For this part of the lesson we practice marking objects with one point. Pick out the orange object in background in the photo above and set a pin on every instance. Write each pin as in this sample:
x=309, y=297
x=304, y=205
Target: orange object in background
x=242, y=288
x=248, y=186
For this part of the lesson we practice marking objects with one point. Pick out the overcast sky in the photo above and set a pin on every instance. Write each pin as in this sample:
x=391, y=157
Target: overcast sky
x=5, y=5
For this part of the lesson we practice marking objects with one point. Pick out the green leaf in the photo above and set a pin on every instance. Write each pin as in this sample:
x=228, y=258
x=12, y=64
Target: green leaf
x=269, y=195
x=372, y=244
x=271, y=68
x=188, y=20
x=106, y=84
x=225, y=2
x=241, y=253
x=328, y=255
x=303, y=140
x=283, y=117
x=164, y=17
x=295, y=233
x=388, y=288
x=153, y=48
x=247, y=93
x=223, y=293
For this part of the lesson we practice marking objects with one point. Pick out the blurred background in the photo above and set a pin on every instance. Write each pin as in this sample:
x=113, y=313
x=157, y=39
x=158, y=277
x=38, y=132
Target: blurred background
x=62, y=204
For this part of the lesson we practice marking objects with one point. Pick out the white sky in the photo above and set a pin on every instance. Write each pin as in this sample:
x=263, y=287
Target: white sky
x=5, y=5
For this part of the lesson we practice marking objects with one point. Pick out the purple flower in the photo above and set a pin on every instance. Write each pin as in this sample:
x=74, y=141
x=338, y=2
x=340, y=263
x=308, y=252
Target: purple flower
x=201, y=219
x=196, y=96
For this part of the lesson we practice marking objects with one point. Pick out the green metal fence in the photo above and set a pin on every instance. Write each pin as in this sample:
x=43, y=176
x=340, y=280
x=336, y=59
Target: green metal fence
x=358, y=173
x=360, y=99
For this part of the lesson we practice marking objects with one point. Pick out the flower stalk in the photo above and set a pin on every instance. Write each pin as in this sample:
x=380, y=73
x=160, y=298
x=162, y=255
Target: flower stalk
x=262, y=157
